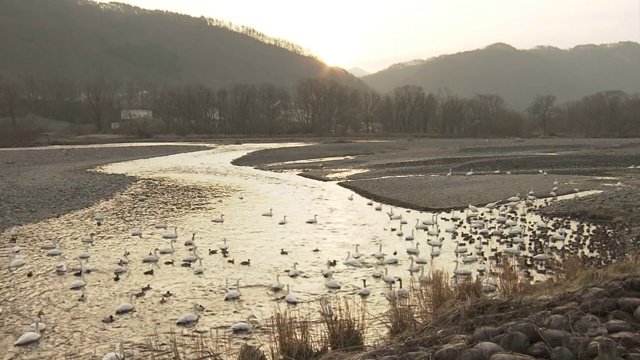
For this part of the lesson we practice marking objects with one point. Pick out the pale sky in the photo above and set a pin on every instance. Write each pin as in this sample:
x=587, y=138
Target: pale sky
x=374, y=34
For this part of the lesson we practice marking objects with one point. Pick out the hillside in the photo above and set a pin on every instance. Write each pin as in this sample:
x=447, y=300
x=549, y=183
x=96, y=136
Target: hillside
x=80, y=39
x=519, y=75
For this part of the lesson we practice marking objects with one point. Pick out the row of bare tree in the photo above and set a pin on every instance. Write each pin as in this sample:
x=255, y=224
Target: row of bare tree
x=319, y=107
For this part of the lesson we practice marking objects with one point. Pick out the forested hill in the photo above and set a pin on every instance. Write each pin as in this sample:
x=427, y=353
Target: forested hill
x=519, y=75
x=80, y=40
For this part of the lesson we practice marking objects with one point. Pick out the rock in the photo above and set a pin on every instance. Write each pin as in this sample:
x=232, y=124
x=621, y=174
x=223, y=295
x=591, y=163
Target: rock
x=485, y=333
x=592, y=348
x=488, y=348
x=510, y=356
x=562, y=353
x=614, y=288
x=585, y=323
x=616, y=326
x=527, y=328
x=594, y=293
x=567, y=308
x=628, y=294
x=631, y=356
x=558, y=322
x=390, y=357
x=449, y=352
x=415, y=355
x=515, y=341
x=622, y=315
x=633, y=283
x=636, y=313
x=599, y=306
x=539, y=350
x=627, y=339
x=629, y=304
x=472, y=354
x=555, y=337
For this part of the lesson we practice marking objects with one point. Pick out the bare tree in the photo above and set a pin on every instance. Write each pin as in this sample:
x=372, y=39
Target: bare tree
x=100, y=96
x=369, y=103
x=9, y=98
x=543, y=109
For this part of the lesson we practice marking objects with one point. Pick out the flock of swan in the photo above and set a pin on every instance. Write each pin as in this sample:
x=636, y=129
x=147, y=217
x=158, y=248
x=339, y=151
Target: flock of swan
x=481, y=236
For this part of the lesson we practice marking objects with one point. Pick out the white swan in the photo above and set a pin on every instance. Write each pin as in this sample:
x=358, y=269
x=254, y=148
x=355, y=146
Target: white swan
x=403, y=293
x=136, y=232
x=193, y=255
x=233, y=294
x=460, y=249
x=99, y=218
x=151, y=258
x=79, y=284
x=356, y=254
x=390, y=261
x=125, y=307
x=277, y=286
x=171, y=235
x=84, y=254
x=449, y=173
x=192, y=241
x=41, y=325
x=314, y=220
x=413, y=267
x=327, y=272
x=189, y=317
x=13, y=234
x=160, y=226
x=218, y=220
x=365, y=291
x=121, y=269
x=198, y=269
x=125, y=258
x=283, y=221
x=435, y=251
x=379, y=255
x=49, y=245
x=294, y=272
x=115, y=356
x=243, y=326
x=388, y=278
x=332, y=284
x=352, y=262
x=461, y=272
x=414, y=250
x=290, y=298
x=61, y=269
x=170, y=249
x=269, y=214
x=223, y=245
x=469, y=173
x=378, y=207
x=88, y=239
x=410, y=237
x=376, y=273
x=29, y=336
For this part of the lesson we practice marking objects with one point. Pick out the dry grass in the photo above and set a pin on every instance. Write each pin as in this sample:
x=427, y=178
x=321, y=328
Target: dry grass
x=184, y=346
x=249, y=352
x=293, y=338
x=510, y=283
x=401, y=317
x=346, y=327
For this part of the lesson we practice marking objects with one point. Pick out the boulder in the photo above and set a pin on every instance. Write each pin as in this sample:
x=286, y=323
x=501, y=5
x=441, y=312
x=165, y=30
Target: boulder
x=527, y=328
x=488, y=348
x=515, y=341
x=557, y=321
x=556, y=337
x=472, y=354
x=616, y=326
x=622, y=315
x=485, y=333
x=633, y=283
x=585, y=323
x=450, y=352
x=562, y=353
x=539, y=350
x=631, y=356
x=629, y=304
x=510, y=356
x=627, y=339
x=600, y=306
x=636, y=314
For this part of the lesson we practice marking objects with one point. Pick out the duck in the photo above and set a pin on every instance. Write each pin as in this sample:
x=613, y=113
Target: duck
x=109, y=319
x=213, y=251
x=316, y=250
x=189, y=317
x=246, y=262
x=282, y=252
x=231, y=261
x=148, y=272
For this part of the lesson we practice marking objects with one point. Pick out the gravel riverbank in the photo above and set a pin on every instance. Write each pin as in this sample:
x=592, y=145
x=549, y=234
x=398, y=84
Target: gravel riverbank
x=40, y=183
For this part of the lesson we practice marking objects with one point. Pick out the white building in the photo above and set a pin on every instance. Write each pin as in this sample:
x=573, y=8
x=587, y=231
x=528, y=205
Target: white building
x=130, y=114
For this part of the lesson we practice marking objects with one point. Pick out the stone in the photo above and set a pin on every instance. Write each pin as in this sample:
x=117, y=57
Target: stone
x=615, y=287
x=599, y=306
x=585, y=323
x=555, y=337
x=515, y=341
x=633, y=283
x=629, y=304
x=627, y=339
x=488, y=348
x=628, y=294
x=472, y=354
x=594, y=293
x=631, y=356
x=390, y=357
x=616, y=326
x=449, y=352
x=527, y=328
x=636, y=313
x=562, y=353
x=592, y=348
x=415, y=355
x=510, y=356
x=622, y=315
x=485, y=333
x=568, y=308
x=557, y=321
x=539, y=350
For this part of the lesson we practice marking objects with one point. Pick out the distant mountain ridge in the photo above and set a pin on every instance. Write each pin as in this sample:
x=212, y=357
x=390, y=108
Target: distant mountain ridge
x=81, y=39
x=519, y=75
x=358, y=72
